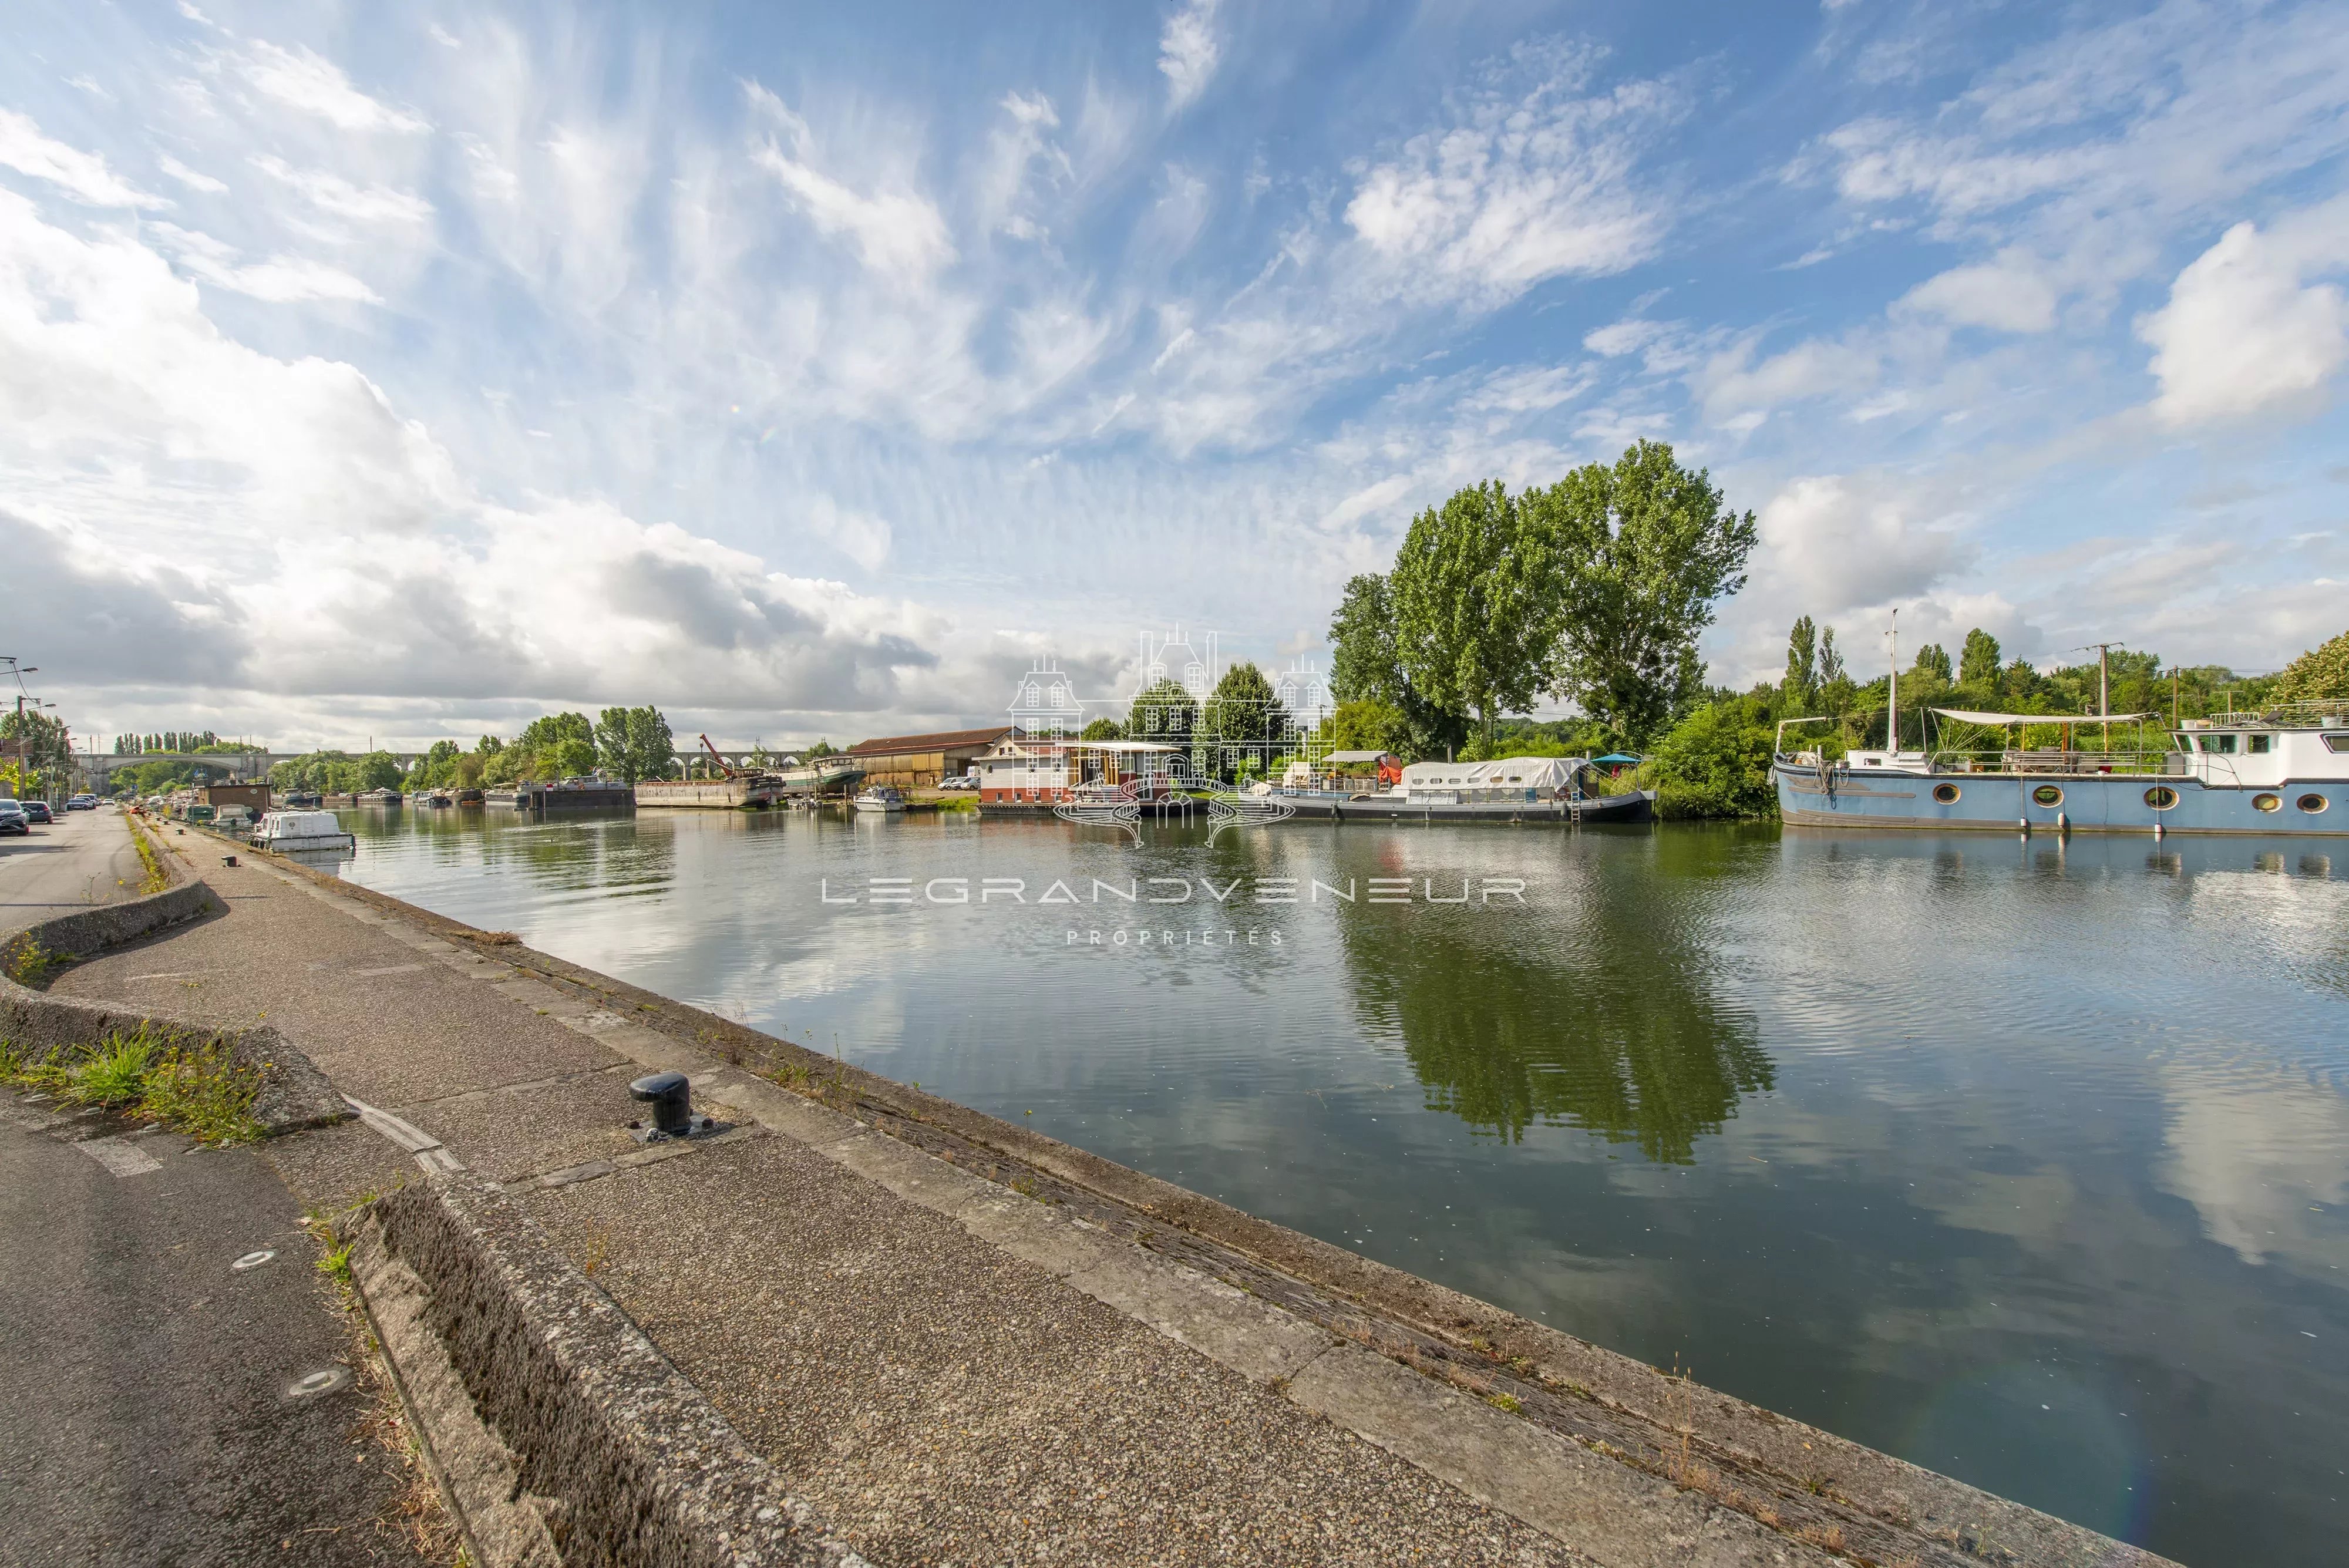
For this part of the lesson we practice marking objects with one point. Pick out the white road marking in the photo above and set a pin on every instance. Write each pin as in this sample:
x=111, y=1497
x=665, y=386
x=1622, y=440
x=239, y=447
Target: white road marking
x=119, y=1155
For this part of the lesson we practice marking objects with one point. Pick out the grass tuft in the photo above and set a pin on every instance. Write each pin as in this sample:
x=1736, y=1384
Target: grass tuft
x=197, y=1087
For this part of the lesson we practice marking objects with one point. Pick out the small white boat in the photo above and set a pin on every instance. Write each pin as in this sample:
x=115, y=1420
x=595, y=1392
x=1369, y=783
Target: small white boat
x=291, y=832
x=882, y=797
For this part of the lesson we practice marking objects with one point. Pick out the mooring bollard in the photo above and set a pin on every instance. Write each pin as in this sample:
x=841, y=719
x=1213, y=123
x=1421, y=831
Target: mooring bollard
x=228, y=859
x=670, y=1094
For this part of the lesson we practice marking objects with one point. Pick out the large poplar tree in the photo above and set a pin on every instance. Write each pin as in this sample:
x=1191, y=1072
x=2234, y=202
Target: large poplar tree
x=1475, y=598
x=1645, y=549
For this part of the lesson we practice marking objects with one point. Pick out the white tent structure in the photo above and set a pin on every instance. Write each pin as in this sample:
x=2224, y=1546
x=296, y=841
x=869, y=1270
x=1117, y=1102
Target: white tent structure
x=1508, y=779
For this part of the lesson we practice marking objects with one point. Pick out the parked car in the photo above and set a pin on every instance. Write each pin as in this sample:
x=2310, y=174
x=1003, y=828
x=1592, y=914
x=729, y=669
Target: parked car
x=39, y=811
x=959, y=781
x=82, y=802
x=14, y=820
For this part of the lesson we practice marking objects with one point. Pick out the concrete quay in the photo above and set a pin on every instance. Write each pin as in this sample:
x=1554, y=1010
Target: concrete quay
x=953, y=1341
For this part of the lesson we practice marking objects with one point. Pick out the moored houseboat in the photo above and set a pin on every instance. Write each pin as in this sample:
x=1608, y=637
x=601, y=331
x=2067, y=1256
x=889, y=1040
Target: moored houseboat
x=1561, y=790
x=576, y=795
x=2281, y=771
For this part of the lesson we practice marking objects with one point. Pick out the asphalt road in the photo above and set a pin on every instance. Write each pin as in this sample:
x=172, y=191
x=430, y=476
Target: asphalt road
x=84, y=858
x=153, y=1407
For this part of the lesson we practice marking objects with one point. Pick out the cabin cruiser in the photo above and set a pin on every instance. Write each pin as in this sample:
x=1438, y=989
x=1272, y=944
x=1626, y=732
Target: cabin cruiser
x=882, y=797
x=292, y=832
x=2281, y=771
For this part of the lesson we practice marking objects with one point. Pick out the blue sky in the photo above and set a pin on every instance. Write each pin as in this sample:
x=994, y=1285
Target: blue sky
x=401, y=370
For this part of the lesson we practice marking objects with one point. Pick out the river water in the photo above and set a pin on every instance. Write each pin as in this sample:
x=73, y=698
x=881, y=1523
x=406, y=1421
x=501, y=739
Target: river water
x=2023, y=1160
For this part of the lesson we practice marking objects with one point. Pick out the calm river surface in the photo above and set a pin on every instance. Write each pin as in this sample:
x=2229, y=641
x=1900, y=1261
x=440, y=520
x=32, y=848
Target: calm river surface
x=2026, y=1162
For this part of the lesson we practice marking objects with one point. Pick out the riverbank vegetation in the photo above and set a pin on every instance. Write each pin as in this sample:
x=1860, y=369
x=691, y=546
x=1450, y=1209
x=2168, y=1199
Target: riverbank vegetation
x=1593, y=593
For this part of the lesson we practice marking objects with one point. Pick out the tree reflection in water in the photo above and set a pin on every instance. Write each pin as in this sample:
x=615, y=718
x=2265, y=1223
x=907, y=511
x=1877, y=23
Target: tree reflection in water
x=1507, y=1025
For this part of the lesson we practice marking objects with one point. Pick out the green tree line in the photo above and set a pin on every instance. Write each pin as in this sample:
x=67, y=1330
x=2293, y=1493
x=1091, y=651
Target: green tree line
x=1717, y=760
x=624, y=744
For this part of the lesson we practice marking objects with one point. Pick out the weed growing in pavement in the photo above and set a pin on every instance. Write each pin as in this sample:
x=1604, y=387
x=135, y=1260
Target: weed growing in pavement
x=31, y=964
x=157, y=878
x=197, y=1087
x=1507, y=1402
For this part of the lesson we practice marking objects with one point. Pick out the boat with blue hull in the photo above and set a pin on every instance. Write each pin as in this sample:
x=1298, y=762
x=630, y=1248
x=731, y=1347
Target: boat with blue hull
x=2281, y=773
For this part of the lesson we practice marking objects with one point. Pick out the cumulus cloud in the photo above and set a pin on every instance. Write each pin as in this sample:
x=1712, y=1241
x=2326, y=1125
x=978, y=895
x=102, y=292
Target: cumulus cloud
x=1838, y=541
x=1188, y=50
x=2242, y=333
x=1527, y=183
x=307, y=81
x=84, y=176
x=364, y=563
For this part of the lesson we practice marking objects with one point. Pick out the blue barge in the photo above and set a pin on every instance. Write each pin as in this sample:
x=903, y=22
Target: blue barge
x=2283, y=773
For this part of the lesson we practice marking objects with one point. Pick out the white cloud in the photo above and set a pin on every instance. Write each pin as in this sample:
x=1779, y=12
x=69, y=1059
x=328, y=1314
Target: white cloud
x=2241, y=334
x=307, y=81
x=331, y=193
x=1620, y=338
x=1832, y=542
x=84, y=176
x=283, y=279
x=1528, y=389
x=1523, y=186
x=897, y=233
x=1188, y=50
x=363, y=562
x=190, y=177
x=861, y=536
x=1731, y=385
x=2010, y=295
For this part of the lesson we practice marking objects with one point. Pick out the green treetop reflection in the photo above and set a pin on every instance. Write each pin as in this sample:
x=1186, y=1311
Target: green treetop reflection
x=1616, y=1034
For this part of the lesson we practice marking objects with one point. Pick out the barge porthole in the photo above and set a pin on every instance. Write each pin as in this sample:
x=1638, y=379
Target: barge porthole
x=1946, y=793
x=2048, y=794
x=2161, y=797
x=2267, y=803
x=2312, y=804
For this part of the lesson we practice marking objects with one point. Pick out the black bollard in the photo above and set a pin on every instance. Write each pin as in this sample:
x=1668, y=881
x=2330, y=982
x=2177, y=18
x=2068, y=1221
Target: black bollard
x=671, y=1097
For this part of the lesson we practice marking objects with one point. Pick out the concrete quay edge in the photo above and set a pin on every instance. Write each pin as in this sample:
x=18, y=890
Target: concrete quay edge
x=1618, y=1461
